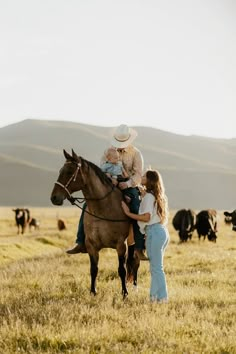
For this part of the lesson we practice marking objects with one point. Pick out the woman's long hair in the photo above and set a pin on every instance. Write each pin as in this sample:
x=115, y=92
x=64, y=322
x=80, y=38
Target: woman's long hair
x=154, y=185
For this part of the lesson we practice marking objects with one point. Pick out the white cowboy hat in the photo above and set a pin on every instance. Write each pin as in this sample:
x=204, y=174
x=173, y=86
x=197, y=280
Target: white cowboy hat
x=123, y=136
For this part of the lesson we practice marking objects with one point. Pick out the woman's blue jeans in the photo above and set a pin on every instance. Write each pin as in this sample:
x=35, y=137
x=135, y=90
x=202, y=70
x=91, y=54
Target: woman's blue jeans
x=156, y=243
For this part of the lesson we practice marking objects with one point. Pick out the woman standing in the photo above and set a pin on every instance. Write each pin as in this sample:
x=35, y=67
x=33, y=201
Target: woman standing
x=152, y=220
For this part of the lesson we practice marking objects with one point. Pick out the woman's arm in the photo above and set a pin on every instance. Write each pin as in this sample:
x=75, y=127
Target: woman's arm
x=139, y=217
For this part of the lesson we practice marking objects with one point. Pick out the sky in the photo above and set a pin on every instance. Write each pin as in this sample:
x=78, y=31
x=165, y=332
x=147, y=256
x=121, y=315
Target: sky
x=165, y=64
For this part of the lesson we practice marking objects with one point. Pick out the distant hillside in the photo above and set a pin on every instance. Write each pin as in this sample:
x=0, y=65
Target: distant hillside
x=198, y=172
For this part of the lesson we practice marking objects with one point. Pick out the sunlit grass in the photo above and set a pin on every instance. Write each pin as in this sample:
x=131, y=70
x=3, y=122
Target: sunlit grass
x=46, y=307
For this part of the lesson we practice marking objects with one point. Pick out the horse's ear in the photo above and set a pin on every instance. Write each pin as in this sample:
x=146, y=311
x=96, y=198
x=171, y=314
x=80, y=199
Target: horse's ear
x=67, y=156
x=74, y=155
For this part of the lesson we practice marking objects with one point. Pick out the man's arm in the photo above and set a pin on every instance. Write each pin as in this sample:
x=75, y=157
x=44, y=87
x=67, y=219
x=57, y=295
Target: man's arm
x=137, y=170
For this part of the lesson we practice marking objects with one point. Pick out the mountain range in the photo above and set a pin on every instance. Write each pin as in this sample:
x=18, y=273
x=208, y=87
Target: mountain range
x=198, y=172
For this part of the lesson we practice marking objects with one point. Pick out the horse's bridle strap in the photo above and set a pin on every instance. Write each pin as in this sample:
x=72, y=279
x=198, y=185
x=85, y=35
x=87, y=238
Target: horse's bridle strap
x=73, y=200
x=73, y=177
x=64, y=187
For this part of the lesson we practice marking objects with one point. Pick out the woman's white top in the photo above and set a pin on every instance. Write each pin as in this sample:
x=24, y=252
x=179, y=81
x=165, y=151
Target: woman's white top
x=148, y=205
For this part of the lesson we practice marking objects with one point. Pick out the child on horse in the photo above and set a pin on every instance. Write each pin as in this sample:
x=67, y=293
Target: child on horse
x=113, y=167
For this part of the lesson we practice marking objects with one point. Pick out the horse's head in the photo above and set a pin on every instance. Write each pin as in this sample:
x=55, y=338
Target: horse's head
x=69, y=179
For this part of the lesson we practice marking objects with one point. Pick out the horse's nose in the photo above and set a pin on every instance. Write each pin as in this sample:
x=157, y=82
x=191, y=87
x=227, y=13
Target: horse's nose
x=55, y=200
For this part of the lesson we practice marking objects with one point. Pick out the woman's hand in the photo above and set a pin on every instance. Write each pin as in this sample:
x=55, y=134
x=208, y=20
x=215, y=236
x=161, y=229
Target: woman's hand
x=125, y=208
x=143, y=217
x=142, y=191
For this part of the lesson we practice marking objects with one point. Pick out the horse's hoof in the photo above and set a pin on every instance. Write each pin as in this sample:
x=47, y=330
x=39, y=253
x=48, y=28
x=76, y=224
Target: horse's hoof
x=125, y=295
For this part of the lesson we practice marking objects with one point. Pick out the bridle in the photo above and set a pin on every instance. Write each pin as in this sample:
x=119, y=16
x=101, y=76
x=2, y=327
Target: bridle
x=74, y=200
x=72, y=178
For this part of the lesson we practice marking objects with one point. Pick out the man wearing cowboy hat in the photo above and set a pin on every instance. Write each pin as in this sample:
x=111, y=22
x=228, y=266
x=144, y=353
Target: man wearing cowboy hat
x=132, y=161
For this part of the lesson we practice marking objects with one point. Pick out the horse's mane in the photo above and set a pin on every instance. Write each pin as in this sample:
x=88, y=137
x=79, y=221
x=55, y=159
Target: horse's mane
x=101, y=175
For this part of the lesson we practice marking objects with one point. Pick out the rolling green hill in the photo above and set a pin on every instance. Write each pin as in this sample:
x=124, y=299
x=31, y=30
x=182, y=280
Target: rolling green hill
x=198, y=172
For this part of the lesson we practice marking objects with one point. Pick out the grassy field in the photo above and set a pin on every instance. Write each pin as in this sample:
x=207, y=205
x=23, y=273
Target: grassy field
x=46, y=307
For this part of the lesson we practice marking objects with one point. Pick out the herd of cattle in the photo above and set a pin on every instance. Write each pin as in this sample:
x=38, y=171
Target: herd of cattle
x=185, y=221
x=23, y=220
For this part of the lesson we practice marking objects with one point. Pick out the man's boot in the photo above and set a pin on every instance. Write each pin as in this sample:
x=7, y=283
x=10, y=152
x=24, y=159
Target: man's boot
x=78, y=248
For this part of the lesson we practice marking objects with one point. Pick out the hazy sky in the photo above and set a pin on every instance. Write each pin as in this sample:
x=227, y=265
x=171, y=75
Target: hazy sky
x=167, y=64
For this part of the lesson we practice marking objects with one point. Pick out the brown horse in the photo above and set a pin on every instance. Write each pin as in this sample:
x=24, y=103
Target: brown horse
x=105, y=224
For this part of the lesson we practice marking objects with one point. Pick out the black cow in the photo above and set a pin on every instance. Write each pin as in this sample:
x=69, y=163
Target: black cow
x=27, y=215
x=206, y=224
x=228, y=220
x=22, y=218
x=184, y=222
x=231, y=217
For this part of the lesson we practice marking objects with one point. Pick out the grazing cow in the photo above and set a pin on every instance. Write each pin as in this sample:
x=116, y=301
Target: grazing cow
x=184, y=222
x=61, y=224
x=206, y=224
x=34, y=223
x=231, y=218
x=22, y=218
x=228, y=220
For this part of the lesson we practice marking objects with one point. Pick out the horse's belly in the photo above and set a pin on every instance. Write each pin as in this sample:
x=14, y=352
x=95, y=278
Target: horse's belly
x=105, y=237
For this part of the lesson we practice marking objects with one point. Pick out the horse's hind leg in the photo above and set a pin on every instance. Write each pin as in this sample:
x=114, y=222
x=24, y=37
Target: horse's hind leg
x=93, y=271
x=121, y=251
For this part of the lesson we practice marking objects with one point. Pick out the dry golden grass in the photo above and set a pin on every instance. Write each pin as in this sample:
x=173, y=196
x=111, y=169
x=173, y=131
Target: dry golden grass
x=46, y=307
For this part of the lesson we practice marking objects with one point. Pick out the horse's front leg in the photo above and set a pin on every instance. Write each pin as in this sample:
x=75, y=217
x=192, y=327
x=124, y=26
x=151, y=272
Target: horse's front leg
x=122, y=254
x=136, y=264
x=133, y=263
x=94, y=257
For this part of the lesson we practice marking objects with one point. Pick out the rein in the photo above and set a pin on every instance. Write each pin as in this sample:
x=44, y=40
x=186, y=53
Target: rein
x=73, y=200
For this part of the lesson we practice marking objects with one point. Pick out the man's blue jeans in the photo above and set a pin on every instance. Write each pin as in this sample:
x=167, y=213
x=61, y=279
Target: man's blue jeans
x=133, y=193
